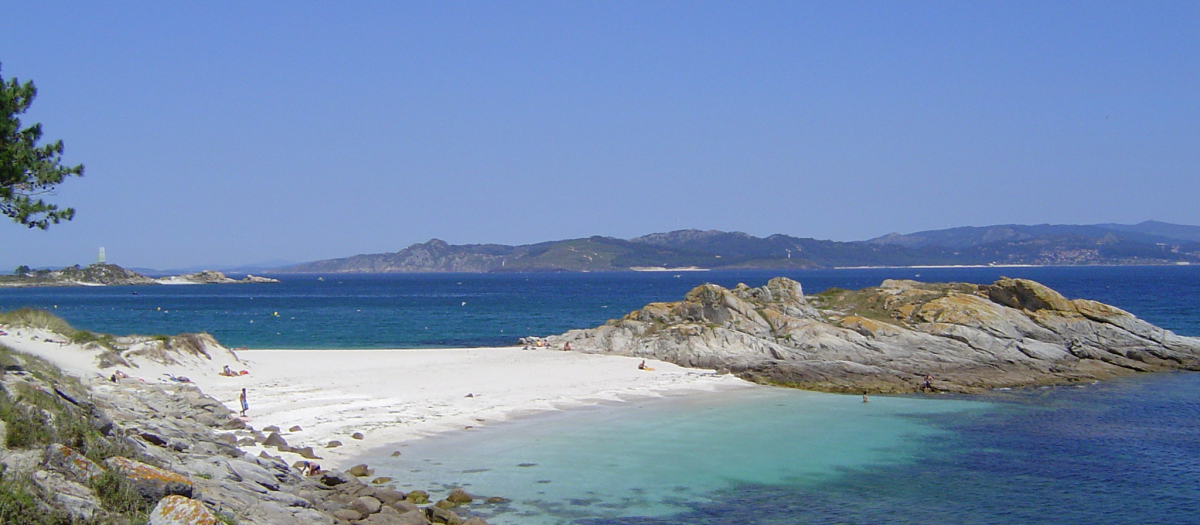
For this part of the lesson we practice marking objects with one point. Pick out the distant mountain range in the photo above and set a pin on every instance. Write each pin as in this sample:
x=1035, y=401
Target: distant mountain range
x=1149, y=242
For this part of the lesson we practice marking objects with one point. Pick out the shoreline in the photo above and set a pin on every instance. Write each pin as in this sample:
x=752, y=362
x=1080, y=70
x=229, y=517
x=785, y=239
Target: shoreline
x=399, y=395
x=392, y=396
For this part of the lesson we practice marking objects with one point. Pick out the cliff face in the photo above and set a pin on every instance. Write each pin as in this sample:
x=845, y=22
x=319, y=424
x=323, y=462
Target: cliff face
x=969, y=337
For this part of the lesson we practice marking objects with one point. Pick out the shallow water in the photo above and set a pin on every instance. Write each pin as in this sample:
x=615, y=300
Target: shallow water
x=1122, y=452
x=658, y=457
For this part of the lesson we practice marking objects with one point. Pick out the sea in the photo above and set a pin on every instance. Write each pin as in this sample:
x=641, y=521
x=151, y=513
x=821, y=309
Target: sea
x=1121, y=451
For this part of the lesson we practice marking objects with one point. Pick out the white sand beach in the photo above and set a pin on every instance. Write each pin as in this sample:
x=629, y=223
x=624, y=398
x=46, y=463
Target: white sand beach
x=391, y=396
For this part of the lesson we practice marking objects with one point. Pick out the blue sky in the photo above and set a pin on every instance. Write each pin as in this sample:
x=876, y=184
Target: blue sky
x=232, y=133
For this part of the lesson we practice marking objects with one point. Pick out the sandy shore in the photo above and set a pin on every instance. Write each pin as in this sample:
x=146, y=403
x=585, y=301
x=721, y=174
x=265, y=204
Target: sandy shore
x=391, y=396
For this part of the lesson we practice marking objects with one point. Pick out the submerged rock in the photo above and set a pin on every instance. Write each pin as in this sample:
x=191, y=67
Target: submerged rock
x=1014, y=332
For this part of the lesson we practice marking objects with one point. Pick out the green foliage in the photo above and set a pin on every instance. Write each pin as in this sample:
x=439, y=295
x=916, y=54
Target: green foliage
x=27, y=425
x=28, y=171
x=84, y=337
x=34, y=318
x=37, y=417
x=17, y=505
x=832, y=292
x=117, y=494
x=226, y=518
x=22, y=270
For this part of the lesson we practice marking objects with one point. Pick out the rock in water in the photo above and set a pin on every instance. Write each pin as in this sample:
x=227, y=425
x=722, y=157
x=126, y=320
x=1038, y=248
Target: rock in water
x=1012, y=333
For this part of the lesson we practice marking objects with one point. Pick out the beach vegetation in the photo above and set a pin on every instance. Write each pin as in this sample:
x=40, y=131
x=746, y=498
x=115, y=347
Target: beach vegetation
x=84, y=337
x=41, y=319
x=36, y=318
x=26, y=425
x=118, y=494
x=34, y=415
x=28, y=171
x=17, y=504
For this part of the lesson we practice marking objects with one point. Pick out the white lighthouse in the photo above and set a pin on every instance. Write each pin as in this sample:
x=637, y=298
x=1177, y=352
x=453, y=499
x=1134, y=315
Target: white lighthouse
x=100, y=256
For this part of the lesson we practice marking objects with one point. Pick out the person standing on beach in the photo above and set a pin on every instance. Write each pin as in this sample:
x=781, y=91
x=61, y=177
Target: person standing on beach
x=245, y=405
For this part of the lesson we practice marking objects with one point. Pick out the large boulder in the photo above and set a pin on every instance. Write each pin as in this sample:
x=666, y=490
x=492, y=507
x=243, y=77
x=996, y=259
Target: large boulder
x=79, y=501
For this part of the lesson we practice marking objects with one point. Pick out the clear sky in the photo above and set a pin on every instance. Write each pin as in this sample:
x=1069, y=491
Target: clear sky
x=241, y=132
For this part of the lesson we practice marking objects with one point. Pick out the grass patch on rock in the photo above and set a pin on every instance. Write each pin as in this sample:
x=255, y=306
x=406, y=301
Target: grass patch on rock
x=117, y=494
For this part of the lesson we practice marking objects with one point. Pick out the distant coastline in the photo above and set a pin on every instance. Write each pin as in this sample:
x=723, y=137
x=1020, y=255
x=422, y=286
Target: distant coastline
x=665, y=269
x=1147, y=243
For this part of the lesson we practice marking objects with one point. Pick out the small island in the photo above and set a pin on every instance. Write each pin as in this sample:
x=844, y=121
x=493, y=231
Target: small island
x=102, y=274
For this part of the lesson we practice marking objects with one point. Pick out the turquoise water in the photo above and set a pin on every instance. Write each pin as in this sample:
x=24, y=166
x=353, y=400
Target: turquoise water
x=1122, y=452
x=660, y=457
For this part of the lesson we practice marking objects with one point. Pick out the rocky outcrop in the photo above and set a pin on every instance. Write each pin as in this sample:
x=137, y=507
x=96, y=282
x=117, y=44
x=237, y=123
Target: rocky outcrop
x=112, y=450
x=212, y=277
x=1011, y=333
x=98, y=274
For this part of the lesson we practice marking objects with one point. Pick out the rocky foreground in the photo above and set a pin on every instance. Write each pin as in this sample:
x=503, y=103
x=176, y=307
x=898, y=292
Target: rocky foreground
x=969, y=338
x=119, y=451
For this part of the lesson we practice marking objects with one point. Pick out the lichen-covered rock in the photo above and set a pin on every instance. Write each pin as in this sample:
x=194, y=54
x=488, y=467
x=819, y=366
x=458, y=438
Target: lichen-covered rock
x=178, y=510
x=151, y=482
x=74, y=465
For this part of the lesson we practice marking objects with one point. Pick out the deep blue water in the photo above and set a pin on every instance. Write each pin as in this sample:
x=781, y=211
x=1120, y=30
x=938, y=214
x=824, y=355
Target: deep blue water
x=1122, y=452
x=454, y=310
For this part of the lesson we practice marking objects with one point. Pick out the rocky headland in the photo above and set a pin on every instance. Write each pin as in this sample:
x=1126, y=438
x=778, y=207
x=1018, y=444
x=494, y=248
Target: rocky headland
x=969, y=338
x=119, y=450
